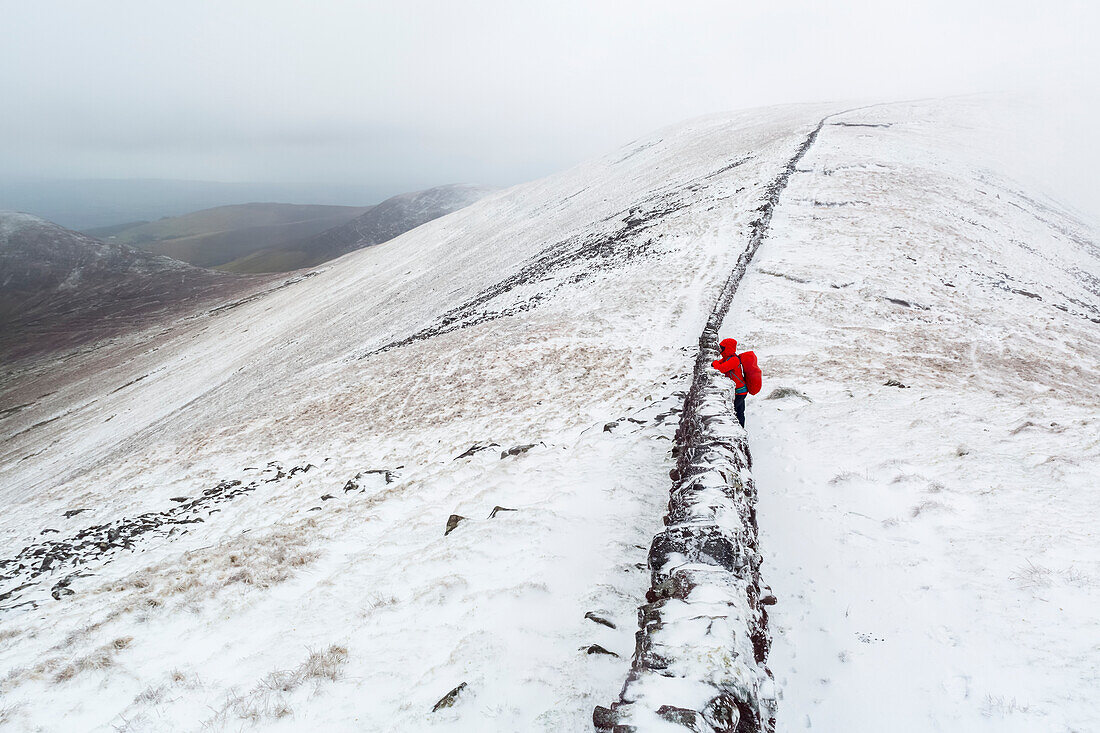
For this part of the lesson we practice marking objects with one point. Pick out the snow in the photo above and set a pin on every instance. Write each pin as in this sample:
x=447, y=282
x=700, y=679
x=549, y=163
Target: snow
x=539, y=315
x=14, y=221
x=932, y=546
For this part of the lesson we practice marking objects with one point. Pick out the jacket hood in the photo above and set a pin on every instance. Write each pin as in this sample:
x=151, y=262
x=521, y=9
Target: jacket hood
x=728, y=347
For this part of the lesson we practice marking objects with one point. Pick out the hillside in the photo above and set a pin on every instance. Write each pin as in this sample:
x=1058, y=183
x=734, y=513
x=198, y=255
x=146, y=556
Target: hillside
x=214, y=237
x=426, y=486
x=60, y=288
x=394, y=216
x=106, y=232
x=927, y=493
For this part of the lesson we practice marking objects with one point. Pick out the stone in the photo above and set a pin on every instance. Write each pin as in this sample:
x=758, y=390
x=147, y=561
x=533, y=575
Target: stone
x=59, y=592
x=603, y=719
x=686, y=717
x=597, y=649
x=894, y=383
x=517, y=450
x=326, y=497
x=500, y=509
x=476, y=448
x=724, y=713
x=448, y=700
x=599, y=619
x=783, y=392
x=452, y=522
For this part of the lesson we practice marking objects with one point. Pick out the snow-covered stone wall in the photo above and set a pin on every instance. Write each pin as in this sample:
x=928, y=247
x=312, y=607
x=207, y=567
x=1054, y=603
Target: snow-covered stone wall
x=699, y=661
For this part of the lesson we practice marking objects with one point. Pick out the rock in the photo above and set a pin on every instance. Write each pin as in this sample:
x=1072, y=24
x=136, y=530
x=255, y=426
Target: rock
x=604, y=719
x=599, y=619
x=48, y=530
x=610, y=426
x=476, y=448
x=517, y=450
x=894, y=383
x=299, y=469
x=180, y=499
x=768, y=599
x=783, y=392
x=326, y=497
x=690, y=719
x=59, y=592
x=388, y=474
x=597, y=649
x=452, y=522
x=74, y=512
x=448, y=700
x=8, y=594
x=61, y=588
x=500, y=509
x=723, y=713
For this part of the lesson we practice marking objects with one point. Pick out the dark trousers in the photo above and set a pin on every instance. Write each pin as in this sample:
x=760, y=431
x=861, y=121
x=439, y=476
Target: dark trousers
x=739, y=408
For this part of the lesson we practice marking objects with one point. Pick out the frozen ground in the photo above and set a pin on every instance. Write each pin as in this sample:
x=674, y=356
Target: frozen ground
x=934, y=548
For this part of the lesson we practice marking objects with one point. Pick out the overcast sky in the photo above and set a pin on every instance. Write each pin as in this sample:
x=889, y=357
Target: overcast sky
x=405, y=94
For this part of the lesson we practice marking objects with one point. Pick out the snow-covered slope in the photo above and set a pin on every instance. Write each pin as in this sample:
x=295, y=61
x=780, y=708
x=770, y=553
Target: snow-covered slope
x=563, y=315
x=934, y=547
x=242, y=523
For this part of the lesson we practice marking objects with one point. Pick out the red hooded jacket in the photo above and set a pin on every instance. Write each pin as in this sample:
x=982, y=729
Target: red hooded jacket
x=743, y=369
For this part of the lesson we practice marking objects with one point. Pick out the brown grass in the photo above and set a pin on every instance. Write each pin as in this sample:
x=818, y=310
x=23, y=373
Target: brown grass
x=267, y=699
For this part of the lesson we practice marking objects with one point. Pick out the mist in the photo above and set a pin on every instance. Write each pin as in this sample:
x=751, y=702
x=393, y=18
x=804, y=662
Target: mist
x=387, y=97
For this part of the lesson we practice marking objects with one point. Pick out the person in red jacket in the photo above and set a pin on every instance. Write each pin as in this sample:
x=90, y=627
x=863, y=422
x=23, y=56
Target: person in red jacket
x=743, y=370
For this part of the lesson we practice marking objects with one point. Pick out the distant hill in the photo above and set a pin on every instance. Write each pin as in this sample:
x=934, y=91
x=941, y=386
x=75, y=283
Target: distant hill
x=83, y=204
x=381, y=223
x=214, y=237
x=110, y=231
x=60, y=288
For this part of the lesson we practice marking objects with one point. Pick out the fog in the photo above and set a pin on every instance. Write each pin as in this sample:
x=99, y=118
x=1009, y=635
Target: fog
x=402, y=95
